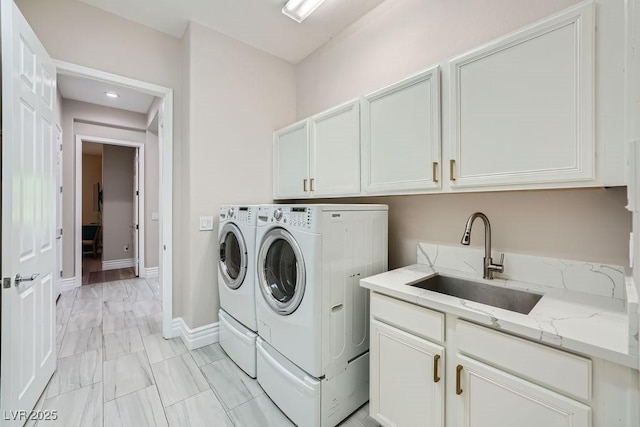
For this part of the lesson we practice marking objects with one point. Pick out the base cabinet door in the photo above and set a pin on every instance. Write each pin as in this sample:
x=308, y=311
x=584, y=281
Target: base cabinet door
x=489, y=397
x=407, y=378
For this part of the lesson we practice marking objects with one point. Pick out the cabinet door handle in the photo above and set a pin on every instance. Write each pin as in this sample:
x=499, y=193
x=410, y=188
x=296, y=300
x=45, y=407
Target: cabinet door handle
x=436, y=359
x=434, y=171
x=458, y=388
x=452, y=169
x=304, y=185
x=311, y=184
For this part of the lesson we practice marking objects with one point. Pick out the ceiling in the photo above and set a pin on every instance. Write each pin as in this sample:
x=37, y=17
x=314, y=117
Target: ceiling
x=258, y=23
x=92, y=91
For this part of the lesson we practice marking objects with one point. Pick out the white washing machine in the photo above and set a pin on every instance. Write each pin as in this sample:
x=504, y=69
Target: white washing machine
x=312, y=314
x=236, y=284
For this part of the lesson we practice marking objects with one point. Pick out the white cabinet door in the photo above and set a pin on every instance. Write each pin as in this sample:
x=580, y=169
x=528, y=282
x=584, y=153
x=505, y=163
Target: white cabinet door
x=291, y=161
x=522, y=108
x=404, y=370
x=401, y=136
x=488, y=397
x=335, y=151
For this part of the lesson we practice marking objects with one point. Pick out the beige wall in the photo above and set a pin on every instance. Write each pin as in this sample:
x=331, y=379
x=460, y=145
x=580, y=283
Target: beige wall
x=237, y=96
x=401, y=37
x=91, y=174
x=117, y=196
x=75, y=32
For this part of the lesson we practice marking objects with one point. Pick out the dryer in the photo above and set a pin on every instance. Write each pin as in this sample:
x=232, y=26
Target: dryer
x=236, y=284
x=312, y=314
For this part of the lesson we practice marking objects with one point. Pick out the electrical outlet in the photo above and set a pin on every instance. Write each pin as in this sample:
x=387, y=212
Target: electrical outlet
x=126, y=248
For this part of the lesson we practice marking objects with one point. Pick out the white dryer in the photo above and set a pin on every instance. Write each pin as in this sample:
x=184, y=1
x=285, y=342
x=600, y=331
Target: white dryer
x=312, y=314
x=236, y=284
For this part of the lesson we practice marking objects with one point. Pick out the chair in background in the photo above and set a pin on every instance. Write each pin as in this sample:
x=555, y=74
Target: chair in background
x=90, y=235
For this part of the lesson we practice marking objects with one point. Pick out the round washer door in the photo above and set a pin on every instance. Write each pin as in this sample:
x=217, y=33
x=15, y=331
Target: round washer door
x=233, y=256
x=281, y=272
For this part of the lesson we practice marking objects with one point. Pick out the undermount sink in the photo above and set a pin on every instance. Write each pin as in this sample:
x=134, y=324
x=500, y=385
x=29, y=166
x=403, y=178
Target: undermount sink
x=508, y=299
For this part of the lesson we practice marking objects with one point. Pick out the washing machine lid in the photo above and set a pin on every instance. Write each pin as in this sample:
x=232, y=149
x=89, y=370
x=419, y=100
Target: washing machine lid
x=281, y=272
x=233, y=256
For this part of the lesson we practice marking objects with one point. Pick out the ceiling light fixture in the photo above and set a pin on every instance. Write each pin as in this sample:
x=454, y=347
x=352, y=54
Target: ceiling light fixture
x=112, y=94
x=299, y=10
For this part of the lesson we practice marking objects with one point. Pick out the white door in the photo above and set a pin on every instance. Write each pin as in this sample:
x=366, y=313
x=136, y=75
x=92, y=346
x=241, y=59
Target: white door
x=136, y=212
x=59, y=211
x=489, y=397
x=335, y=151
x=407, y=378
x=291, y=161
x=28, y=216
x=401, y=136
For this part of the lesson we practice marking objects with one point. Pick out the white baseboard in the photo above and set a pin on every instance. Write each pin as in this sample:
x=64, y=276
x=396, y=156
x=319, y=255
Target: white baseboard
x=118, y=263
x=68, y=284
x=197, y=337
x=150, y=272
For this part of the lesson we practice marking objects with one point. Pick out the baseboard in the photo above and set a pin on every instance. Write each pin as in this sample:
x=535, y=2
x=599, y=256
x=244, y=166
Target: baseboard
x=196, y=337
x=118, y=263
x=68, y=284
x=151, y=272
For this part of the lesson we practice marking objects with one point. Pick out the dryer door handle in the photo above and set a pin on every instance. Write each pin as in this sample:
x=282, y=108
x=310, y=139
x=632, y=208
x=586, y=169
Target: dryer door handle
x=222, y=251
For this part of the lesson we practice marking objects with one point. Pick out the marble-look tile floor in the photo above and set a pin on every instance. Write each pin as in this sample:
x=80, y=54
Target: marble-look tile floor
x=115, y=369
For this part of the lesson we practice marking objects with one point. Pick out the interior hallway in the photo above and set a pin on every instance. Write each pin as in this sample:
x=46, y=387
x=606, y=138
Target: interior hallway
x=92, y=272
x=115, y=369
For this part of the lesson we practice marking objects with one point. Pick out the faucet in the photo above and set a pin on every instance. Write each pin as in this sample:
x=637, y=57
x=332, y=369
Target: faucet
x=489, y=266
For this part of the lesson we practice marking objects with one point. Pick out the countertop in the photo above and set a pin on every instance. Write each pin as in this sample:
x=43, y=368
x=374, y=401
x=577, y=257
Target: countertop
x=588, y=323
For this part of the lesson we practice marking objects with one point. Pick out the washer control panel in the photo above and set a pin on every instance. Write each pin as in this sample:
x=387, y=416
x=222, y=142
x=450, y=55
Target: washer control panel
x=244, y=214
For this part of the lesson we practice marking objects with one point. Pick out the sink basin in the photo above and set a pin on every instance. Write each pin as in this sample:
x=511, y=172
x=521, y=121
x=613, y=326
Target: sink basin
x=508, y=299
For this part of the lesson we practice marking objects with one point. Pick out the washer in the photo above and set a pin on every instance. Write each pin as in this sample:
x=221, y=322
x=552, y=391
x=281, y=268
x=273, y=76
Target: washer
x=236, y=284
x=312, y=314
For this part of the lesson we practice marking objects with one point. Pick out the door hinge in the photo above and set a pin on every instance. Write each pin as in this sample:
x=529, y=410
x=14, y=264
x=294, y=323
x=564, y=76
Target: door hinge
x=137, y=193
x=61, y=189
x=60, y=273
x=6, y=282
x=137, y=228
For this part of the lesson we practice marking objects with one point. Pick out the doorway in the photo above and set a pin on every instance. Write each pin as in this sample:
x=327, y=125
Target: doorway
x=110, y=220
x=164, y=216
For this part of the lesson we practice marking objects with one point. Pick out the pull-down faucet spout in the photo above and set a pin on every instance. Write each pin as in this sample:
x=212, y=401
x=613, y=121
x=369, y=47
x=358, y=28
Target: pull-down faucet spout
x=489, y=266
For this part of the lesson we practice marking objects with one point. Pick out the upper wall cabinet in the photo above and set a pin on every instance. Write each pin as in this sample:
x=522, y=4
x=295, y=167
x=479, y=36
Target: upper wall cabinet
x=335, y=152
x=401, y=136
x=522, y=107
x=320, y=156
x=291, y=161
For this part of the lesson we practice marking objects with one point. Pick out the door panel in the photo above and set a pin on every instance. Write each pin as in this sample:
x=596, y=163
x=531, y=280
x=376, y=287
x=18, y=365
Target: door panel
x=493, y=398
x=28, y=215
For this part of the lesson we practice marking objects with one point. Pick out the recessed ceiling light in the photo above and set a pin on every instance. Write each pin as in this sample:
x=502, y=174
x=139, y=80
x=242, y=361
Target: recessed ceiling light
x=112, y=94
x=299, y=10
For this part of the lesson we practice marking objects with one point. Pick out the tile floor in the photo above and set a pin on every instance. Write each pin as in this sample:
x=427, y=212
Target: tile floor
x=115, y=369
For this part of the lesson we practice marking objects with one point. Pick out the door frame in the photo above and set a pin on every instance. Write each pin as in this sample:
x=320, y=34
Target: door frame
x=165, y=202
x=78, y=199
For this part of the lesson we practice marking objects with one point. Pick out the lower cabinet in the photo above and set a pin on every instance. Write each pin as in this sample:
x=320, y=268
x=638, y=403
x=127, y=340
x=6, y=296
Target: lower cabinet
x=488, y=379
x=407, y=383
x=490, y=397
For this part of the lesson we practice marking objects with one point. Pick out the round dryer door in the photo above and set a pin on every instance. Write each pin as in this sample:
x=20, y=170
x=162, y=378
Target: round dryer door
x=281, y=273
x=233, y=256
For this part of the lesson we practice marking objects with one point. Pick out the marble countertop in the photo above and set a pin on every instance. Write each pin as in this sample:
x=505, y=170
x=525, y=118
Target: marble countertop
x=589, y=323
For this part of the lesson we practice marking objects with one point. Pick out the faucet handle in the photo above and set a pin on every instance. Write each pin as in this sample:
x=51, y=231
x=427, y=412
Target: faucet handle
x=501, y=259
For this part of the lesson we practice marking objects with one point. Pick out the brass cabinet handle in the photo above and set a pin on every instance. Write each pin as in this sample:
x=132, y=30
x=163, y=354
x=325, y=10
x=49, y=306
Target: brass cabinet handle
x=434, y=172
x=458, y=388
x=304, y=184
x=311, y=182
x=436, y=358
x=452, y=168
